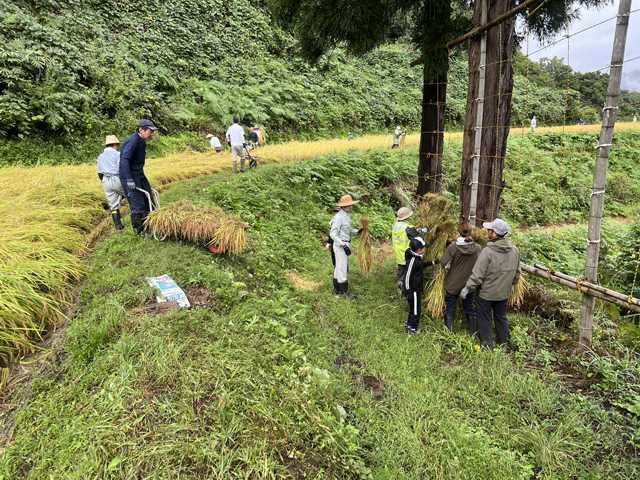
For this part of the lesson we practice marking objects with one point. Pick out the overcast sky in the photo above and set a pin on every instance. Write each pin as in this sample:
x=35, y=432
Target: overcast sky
x=591, y=50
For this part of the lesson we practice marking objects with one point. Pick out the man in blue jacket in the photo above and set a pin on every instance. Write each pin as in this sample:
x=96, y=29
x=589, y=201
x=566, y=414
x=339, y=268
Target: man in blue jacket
x=132, y=158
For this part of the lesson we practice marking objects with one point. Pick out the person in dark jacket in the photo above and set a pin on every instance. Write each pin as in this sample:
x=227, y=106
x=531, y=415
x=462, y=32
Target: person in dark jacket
x=493, y=276
x=459, y=259
x=402, y=232
x=414, y=281
x=132, y=158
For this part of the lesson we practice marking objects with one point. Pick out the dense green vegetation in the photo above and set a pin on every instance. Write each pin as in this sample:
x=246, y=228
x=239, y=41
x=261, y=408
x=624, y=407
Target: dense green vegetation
x=263, y=380
x=75, y=71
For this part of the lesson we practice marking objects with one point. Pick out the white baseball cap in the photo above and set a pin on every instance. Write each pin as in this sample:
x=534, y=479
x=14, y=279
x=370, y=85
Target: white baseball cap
x=498, y=226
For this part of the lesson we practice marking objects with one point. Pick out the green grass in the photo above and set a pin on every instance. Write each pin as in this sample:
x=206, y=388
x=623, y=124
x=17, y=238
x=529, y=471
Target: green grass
x=260, y=380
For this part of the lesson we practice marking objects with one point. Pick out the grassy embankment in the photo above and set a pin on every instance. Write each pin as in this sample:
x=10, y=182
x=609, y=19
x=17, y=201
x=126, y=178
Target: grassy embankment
x=270, y=376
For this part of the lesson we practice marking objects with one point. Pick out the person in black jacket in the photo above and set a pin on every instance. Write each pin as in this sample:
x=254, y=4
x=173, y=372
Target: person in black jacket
x=132, y=177
x=414, y=281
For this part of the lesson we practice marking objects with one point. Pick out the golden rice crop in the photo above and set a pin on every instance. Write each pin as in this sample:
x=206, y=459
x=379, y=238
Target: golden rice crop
x=518, y=292
x=230, y=236
x=169, y=219
x=364, y=247
x=202, y=225
x=479, y=236
x=435, y=292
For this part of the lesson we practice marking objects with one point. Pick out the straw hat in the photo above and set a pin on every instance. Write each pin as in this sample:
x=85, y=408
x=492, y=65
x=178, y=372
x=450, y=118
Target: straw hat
x=110, y=139
x=208, y=136
x=404, y=213
x=346, y=200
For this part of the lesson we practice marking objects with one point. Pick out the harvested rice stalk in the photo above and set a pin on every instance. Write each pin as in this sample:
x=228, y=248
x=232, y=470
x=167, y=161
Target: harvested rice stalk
x=364, y=247
x=479, y=236
x=520, y=289
x=230, y=236
x=437, y=213
x=169, y=220
x=403, y=138
x=435, y=292
x=202, y=224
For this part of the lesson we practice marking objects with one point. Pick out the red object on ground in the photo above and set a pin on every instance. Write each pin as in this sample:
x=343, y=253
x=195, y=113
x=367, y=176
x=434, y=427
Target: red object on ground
x=215, y=248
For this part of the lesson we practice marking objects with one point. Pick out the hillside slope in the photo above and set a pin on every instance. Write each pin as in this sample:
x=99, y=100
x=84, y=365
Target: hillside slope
x=82, y=66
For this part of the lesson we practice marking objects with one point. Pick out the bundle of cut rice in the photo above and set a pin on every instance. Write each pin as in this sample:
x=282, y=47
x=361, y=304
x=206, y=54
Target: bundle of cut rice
x=364, y=247
x=196, y=224
x=438, y=214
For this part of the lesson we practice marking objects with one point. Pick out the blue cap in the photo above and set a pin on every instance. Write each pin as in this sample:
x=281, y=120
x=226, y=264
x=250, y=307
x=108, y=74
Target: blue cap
x=147, y=123
x=236, y=119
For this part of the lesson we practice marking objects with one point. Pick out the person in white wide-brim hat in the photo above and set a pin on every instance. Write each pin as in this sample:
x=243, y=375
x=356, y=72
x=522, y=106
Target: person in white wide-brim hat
x=108, y=173
x=341, y=232
x=215, y=142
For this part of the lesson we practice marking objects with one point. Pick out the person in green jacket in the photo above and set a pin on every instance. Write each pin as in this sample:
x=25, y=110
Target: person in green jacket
x=494, y=274
x=458, y=260
x=402, y=233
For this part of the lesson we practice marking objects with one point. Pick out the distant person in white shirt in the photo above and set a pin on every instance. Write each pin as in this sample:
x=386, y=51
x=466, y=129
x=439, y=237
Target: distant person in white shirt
x=235, y=136
x=534, y=124
x=215, y=143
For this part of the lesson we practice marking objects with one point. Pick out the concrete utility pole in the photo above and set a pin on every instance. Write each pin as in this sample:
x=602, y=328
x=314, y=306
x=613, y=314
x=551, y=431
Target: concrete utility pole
x=600, y=172
x=473, y=206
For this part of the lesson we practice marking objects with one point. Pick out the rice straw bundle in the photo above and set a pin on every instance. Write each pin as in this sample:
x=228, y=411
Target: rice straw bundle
x=182, y=219
x=403, y=138
x=435, y=295
x=169, y=220
x=202, y=224
x=437, y=213
x=364, y=247
x=520, y=289
x=479, y=236
x=230, y=236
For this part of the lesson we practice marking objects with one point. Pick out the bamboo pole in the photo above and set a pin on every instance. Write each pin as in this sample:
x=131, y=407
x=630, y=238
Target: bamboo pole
x=486, y=26
x=584, y=287
x=600, y=172
x=475, y=174
x=605, y=290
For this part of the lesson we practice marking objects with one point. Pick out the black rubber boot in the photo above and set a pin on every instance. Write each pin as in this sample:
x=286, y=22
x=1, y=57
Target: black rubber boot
x=344, y=291
x=242, y=165
x=448, y=322
x=136, y=223
x=472, y=325
x=117, y=221
x=336, y=290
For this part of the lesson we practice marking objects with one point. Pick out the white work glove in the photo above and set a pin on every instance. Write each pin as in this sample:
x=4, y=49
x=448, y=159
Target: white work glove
x=464, y=293
x=131, y=185
x=423, y=230
x=327, y=246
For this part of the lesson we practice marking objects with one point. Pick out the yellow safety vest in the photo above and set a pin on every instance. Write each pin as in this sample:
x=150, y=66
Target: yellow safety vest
x=400, y=241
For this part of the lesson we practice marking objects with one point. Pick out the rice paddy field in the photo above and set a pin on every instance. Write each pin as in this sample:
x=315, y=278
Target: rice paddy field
x=50, y=216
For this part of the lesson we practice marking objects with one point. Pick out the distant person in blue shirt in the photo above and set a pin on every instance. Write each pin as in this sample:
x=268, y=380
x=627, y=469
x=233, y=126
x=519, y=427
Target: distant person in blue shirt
x=132, y=176
x=108, y=171
x=351, y=137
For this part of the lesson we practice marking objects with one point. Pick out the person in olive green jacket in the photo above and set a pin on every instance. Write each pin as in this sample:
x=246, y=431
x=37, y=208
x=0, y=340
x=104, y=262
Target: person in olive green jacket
x=494, y=274
x=459, y=259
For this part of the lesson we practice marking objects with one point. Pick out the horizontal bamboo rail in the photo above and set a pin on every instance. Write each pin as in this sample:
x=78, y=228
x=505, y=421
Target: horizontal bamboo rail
x=606, y=294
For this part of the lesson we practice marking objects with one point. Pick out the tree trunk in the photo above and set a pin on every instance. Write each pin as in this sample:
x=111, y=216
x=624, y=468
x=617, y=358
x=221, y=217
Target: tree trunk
x=497, y=111
x=434, y=98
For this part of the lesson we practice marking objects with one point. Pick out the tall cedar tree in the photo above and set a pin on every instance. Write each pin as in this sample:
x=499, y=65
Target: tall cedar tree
x=362, y=25
x=551, y=19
